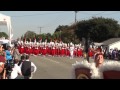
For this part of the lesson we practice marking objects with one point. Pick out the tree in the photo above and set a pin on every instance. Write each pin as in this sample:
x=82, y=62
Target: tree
x=61, y=28
x=30, y=34
x=98, y=29
x=3, y=34
x=64, y=33
x=22, y=37
x=48, y=36
x=43, y=37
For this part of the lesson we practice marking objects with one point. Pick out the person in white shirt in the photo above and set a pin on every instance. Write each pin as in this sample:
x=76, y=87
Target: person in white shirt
x=16, y=71
x=71, y=51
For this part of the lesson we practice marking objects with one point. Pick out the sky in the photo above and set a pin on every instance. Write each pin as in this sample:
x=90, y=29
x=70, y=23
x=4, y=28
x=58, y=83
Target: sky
x=22, y=21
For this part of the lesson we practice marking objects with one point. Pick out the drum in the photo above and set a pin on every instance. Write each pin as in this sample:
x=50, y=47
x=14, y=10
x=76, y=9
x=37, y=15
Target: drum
x=82, y=73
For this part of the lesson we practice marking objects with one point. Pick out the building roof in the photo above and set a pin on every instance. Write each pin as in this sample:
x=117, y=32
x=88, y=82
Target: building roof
x=111, y=41
x=98, y=44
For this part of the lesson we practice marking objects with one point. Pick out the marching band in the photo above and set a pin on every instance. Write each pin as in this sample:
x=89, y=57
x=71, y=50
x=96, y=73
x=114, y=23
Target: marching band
x=54, y=49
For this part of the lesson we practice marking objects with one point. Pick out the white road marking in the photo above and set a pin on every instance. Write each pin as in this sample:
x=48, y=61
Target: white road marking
x=50, y=60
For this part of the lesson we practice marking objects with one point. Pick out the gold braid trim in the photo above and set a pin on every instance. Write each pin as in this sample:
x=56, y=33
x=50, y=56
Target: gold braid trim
x=82, y=76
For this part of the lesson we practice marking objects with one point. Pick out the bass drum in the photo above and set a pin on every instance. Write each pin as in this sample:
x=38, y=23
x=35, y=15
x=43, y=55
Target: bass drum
x=111, y=74
x=82, y=73
x=82, y=76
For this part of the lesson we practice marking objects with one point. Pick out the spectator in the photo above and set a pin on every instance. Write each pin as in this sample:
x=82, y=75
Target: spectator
x=28, y=68
x=106, y=53
x=9, y=54
x=118, y=54
x=22, y=59
x=15, y=52
x=2, y=70
x=16, y=71
x=2, y=54
x=2, y=63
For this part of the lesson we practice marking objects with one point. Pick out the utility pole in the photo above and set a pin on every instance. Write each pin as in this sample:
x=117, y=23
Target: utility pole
x=87, y=46
x=40, y=29
x=75, y=16
x=75, y=22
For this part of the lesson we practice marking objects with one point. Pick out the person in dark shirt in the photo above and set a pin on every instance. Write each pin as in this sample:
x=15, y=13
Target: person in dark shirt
x=28, y=68
x=23, y=57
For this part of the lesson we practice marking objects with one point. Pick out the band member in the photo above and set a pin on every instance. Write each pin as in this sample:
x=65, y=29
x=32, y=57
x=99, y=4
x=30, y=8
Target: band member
x=22, y=49
x=75, y=51
x=27, y=50
x=99, y=59
x=53, y=50
x=68, y=52
x=36, y=51
x=90, y=53
x=79, y=52
x=40, y=49
x=71, y=51
x=30, y=50
x=63, y=51
x=44, y=51
x=56, y=50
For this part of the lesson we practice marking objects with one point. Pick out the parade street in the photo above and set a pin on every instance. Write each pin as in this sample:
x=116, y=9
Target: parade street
x=53, y=67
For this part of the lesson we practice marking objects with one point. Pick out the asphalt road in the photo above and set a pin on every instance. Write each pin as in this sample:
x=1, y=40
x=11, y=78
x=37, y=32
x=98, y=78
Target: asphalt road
x=53, y=67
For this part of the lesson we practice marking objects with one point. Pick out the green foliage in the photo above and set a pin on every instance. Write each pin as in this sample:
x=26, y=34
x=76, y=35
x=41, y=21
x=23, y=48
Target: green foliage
x=48, y=36
x=61, y=28
x=3, y=34
x=30, y=34
x=98, y=29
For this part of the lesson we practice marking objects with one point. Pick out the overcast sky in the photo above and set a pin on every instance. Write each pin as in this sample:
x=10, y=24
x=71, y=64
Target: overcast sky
x=22, y=21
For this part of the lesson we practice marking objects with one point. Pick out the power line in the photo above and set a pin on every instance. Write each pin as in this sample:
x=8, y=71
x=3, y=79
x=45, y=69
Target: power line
x=111, y=13
x=39, y=14
x=100, y=13
x=92, y=14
